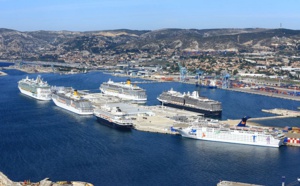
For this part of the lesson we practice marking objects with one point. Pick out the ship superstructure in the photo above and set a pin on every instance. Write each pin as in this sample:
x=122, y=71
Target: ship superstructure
x=192, y=102
x=113, y=117
x=215, y=131
x=69, y=99
x=125, y=91
x=36, y=88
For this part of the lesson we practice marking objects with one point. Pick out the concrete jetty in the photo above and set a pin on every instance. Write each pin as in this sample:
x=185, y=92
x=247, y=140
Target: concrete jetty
x=230, y=183
x=281, y=113
x=251, y=91
x=5, y=181
x=163, y=119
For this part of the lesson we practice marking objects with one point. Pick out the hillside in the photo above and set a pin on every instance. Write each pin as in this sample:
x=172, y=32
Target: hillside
x=37, y=45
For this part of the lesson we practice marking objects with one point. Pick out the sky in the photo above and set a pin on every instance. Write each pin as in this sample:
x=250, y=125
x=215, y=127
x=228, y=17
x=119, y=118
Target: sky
x=91, y=15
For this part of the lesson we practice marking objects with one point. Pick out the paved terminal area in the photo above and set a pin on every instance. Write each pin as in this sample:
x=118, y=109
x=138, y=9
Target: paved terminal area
x=163, y=119
x=281, y=113
x=160, y=119
x=99, y=99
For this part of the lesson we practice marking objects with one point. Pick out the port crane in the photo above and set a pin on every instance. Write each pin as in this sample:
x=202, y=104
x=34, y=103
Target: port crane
x=225, y=80
x=198, y=77
x=183, y=72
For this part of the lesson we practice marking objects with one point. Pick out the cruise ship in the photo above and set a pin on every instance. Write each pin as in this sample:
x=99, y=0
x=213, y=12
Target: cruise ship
x=240, y=134
x=36, y=88
x=113, y=117
x=191, y=102
x=69, y=99
x=125, y=91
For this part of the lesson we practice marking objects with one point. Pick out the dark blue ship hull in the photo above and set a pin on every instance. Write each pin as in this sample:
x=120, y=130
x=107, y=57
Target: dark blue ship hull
x=113, y=125
x=206, y=113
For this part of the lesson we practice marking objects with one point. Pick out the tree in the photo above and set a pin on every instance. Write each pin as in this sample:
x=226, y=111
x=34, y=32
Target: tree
x=235, y=72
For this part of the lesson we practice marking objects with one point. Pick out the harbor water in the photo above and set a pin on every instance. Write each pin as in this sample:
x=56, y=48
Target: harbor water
x=39, y=139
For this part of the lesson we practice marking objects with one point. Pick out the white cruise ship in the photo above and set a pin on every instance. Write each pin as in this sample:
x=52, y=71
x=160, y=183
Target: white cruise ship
x=125, y=91
x=191, y=102
x=113, y=117
x=36, y=88
x=69, y=99
x=214, y=131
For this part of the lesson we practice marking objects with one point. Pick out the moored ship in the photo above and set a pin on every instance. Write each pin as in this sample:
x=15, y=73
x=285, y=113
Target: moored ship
x=69, y=99
x=191, y=102
x=113, y=117
x=35, y=88
x=125, y=91
x=240, y=134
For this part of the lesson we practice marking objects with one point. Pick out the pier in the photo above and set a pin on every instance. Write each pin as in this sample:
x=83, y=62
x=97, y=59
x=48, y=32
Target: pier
x=251, y=91
x=281, y=113
x=163, y=119
x=231, y=183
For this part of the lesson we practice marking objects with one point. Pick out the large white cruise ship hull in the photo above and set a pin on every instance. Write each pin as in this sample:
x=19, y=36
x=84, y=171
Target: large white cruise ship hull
x=71, y=108
x=36, y=96
x=125, y=97
x=232, y=137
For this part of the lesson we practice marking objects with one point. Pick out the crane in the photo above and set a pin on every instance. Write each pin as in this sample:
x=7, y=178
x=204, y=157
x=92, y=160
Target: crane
x=225, y=80
x=183, y=72
x=198, y=77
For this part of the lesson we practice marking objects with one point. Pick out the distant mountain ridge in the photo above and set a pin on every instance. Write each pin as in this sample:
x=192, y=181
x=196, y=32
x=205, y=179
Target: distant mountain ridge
x=35, y=44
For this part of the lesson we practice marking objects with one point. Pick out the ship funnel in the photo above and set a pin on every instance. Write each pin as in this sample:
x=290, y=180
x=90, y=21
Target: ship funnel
x=242, y=123
x=75, y=93
x=128, y=82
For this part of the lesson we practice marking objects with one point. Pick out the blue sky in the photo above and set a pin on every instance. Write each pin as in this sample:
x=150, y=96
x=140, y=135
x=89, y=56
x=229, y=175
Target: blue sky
x=87, y=15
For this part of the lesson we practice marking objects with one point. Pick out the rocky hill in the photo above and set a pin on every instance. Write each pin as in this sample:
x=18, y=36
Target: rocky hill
x=49, y=45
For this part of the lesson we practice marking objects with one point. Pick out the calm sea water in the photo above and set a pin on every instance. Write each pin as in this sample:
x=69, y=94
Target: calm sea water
x=38, y=140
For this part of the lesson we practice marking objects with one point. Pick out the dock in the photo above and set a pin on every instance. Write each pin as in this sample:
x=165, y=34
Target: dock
x=281, y=113
x=163, y=119
x=252, y=91
x=230, y=183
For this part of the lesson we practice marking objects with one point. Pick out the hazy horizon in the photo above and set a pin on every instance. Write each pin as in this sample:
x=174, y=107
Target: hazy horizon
x=92, y=15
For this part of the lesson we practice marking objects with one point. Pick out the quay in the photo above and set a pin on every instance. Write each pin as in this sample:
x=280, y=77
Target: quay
x=163, y=119
x=5, y=181
x=230, y=183
x=157, y=119
x=251, y=91
x=281, y=113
